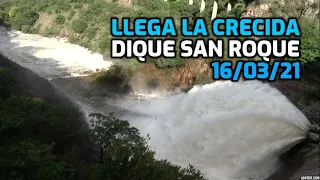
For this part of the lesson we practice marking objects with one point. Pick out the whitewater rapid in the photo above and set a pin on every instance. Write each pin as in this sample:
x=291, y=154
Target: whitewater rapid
x=230, y=131
x=49, y=57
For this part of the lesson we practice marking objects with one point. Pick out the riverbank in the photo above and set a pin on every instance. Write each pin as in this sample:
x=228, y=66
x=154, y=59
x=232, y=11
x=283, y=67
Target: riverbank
x=49, y=57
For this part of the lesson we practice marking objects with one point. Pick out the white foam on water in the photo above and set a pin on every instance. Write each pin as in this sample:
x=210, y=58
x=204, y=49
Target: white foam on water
x=49, y=57
x=227, y=130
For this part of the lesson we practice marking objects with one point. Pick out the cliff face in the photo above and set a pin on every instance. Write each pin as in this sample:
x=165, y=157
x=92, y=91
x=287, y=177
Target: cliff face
x=150, y=78
x=308, y=8
x=194, y=72
x=32, y=84
x=261, y=10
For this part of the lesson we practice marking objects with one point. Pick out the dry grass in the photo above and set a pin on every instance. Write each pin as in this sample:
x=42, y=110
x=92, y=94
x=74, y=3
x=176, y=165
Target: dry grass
x=45, y=21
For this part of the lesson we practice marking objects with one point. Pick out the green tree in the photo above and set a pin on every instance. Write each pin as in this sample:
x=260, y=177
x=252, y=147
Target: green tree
x=125, y=154
x=118, y=76
x=170, y=63
x=13, y=11
x=23, y=18
x=60, y=19
x=310, y=32
x=25, y=28
x=29, y=159
x=79, y=25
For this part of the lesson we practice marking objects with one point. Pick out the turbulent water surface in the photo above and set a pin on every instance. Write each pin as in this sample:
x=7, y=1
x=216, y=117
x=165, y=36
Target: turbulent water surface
x=227, y=130
x=49, y=57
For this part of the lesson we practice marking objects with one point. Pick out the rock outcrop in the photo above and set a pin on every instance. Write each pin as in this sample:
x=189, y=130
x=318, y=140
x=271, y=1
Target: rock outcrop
x=32, y=84
x=171, y=79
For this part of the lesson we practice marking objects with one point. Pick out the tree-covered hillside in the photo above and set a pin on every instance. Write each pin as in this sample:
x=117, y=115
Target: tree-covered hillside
x=87, y=22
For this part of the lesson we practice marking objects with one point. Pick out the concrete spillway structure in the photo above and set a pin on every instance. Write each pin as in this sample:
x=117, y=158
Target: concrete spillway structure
x=314, y=134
